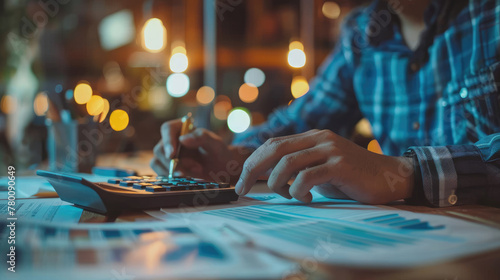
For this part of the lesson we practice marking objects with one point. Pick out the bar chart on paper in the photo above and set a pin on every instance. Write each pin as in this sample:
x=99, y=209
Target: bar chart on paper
x=361, y=236
x=398, y=222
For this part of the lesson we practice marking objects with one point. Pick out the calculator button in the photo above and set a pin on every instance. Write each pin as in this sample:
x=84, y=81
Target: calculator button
x=224, y=185
x=149, y=180
x=211, y=186
x=174, y=188
x=163, y=184
x=199, y=180
x=114, y=181
x=134, y=177
x=141, y=185
x=127, y=183
x=128, y=179
x=194, y=186
x=155, y=188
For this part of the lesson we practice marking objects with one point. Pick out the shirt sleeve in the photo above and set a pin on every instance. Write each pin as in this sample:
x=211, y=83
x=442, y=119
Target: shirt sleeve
x=329, y=104
x=458, y=174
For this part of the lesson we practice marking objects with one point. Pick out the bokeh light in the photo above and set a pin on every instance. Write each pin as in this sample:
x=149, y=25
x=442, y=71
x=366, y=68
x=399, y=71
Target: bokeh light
x=59, y=88
x=255, y=76
x=299, y=87
x=82, y=93
x=374, y=147
x=130, y=131
x=296, y=45
x=248, y=93
x=95, y=106
x=179, y=49
x=8, y=104
x=118, y=120
x=105, y=110
x=154, y=35
x=69, y=94
x=41, y=104
x=177, y=84
x=364, y=128
x=158, y=98
x=178, y=62
x=115, y=81
x=205, y=95
x=331, y=10
x=296, y=58
x=239, y=120
x=222, y=107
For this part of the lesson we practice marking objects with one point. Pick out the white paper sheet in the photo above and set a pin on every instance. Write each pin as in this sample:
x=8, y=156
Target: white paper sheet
x=27, y=186
x=44, y=209
x=145, y=250
x=349, y=233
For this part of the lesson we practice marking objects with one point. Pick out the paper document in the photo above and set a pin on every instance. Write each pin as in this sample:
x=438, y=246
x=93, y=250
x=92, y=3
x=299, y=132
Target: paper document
x=44, y=209
x=27, y=186
x=346, y=232
x=140, y=250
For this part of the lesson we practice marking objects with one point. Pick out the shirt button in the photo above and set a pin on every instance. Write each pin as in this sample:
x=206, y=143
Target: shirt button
x=464, y=92
x=414, y=67
x=416, y=125
x=443, y=103
x=452, y=199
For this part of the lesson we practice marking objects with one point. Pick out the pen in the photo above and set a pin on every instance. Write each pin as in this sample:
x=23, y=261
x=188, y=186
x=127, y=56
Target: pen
x=187, y=126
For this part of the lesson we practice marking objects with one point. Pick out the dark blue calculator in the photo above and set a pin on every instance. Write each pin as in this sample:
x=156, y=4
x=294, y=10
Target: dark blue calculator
x=138, y=192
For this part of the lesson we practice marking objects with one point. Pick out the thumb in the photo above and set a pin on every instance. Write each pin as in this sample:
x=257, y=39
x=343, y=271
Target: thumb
x=202, y=138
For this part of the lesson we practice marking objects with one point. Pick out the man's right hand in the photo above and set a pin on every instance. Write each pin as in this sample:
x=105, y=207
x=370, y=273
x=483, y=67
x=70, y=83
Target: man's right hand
x=203, y=155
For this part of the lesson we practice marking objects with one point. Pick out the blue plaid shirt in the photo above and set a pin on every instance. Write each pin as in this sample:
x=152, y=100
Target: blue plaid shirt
x=439, y=103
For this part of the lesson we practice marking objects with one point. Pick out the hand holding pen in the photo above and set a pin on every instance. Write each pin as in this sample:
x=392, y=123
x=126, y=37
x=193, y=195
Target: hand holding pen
x=187, y=126
x=204, y=154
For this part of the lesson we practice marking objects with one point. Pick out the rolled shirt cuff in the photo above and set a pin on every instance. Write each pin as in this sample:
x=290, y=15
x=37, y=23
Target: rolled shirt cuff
x=436, y=182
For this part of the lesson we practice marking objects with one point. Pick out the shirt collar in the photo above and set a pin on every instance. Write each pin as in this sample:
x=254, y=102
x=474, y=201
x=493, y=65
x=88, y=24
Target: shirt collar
x=381, y=13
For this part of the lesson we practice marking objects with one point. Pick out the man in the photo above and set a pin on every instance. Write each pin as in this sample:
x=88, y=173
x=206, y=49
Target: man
x=424, y=73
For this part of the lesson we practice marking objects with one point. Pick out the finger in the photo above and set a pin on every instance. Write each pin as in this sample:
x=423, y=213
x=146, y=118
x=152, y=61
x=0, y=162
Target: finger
x=209, y=142
x=292, y=164
x=159, y=154
x=179, y=173
x=267, y=155
x=307, y=178
x=170, y=132
x=284, y=191
x=158, y=167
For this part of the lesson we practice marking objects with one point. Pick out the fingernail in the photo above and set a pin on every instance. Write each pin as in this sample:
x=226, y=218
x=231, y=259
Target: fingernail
x=239, y=187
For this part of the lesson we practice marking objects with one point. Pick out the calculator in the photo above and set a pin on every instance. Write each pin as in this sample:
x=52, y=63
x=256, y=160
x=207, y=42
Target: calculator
x=138, y=192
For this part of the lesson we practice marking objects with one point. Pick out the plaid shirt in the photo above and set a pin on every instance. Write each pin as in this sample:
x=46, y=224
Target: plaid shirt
x=439, y=103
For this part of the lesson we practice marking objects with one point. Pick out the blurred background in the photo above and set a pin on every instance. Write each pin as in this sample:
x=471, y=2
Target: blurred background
x=115, y=70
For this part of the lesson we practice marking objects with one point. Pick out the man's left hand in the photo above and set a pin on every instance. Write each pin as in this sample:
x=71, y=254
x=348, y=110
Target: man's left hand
x=321, y=157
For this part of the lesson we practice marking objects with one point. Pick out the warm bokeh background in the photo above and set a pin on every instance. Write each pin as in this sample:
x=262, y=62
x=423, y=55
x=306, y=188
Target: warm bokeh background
x=146, y=62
